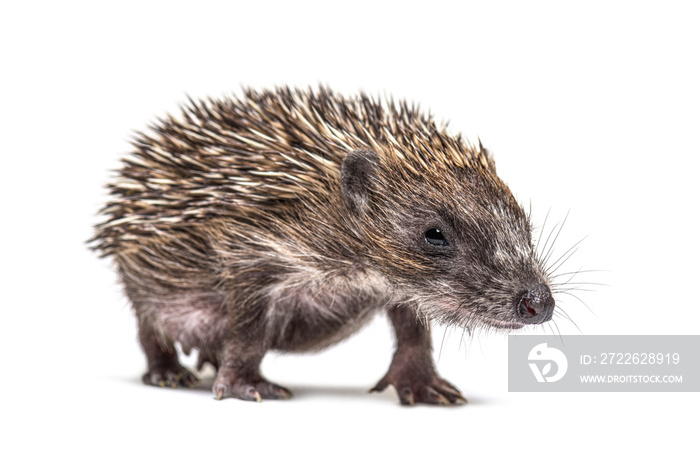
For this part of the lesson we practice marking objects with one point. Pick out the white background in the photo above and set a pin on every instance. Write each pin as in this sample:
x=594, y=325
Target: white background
x=592, y=109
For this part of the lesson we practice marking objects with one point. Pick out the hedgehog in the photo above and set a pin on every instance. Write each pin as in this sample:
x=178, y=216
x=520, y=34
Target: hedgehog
x=284, y=219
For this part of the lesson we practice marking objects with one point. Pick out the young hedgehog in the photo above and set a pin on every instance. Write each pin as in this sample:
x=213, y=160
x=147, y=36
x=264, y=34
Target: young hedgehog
x=286, y=219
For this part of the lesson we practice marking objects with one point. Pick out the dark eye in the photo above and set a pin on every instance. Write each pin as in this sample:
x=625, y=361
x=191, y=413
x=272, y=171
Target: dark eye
x=435, y=237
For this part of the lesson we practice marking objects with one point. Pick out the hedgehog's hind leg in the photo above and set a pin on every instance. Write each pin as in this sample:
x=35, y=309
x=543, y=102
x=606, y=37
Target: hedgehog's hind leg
x=164, y=368
x=239, y=376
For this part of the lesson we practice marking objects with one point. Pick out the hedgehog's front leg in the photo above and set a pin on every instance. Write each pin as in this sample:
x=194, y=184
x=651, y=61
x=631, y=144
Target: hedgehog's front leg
x=412, y=372
x=238, y=374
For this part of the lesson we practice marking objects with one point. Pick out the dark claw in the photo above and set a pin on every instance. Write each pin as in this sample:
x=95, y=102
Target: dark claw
x=453, y=395
x=430, y=395
x=379, y=387
x=281, y=393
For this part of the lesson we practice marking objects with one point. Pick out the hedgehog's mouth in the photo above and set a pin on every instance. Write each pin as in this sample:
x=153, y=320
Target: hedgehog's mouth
x=504, y=324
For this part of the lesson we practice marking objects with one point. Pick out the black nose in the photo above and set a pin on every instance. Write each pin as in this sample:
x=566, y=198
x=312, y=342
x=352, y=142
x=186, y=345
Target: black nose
x=535, y=305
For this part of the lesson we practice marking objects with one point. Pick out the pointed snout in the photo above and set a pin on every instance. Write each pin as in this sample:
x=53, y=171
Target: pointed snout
x=535, y=305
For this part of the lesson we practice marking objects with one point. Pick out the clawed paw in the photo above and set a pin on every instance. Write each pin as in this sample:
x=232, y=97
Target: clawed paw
x=251, y=391
x=170, y=376
x=433, y=390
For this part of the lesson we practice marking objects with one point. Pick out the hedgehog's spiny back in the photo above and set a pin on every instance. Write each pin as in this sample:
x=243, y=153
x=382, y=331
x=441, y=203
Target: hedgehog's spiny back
x=232, y=158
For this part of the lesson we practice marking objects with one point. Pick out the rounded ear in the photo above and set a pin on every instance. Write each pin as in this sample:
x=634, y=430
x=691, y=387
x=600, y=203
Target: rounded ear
x=356, y=178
